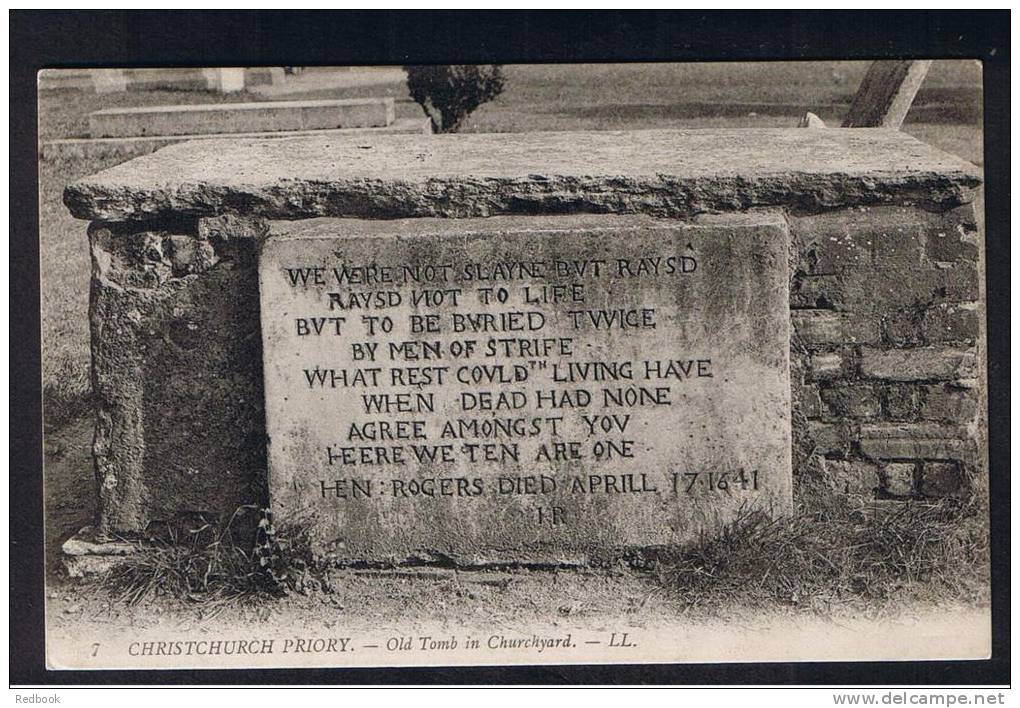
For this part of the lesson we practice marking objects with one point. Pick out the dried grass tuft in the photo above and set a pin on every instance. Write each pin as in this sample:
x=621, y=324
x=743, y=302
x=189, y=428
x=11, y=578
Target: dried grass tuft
x=838, y=554
x=843, y=554
x=216, y=566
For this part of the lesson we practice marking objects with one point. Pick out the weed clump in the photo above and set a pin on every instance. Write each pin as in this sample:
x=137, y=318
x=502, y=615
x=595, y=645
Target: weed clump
x=216, y=566
x=842, y=554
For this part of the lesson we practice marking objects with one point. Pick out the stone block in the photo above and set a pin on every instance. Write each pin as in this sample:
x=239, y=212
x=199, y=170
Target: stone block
x=960, y=282
x=952, y=323
x=863, y=327
x=232, y=227
x=809, y=400
x=858, y=478
x=242, y=117
x=817, y=291
x=899, y=244
x=940, y=479
x=895, y=239
x=826, y=365
x=951, y=244
x=859, y=240
x=87, y=553
x=918, y=364
x=946, y=402
x=828, y=438
x=819, y=326
x=177, y=377
x=575, y=322
x=901, y=401
x=834, y=253
x=189, y=255
x=899, y=478
x=855, y=401
x=903, y=327
x=815, y=327
x=883, y=291
x=641, y=171
x=962, y=220
x=103, y=149
x=916, y=441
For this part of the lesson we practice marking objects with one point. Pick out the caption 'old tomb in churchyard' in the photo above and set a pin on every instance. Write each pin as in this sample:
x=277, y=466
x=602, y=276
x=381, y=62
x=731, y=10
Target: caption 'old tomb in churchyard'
x=549, y=386
x=529, y=348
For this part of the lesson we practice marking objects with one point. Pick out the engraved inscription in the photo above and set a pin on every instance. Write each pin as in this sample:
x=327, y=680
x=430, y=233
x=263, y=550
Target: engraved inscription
x=529, y=391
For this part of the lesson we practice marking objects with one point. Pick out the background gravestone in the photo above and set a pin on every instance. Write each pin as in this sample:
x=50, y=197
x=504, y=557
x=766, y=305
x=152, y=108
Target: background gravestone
x=533, y=389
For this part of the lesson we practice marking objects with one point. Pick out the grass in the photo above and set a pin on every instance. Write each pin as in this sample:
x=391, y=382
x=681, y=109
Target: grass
x=538, y=97
x=64, y=285
x=242, y=563
x=843, y=555
x=723, y=95
x=839, y=556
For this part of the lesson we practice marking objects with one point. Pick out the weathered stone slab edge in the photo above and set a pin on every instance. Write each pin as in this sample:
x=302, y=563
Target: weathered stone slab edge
x=86, y=554
x=86, y=543
x=672, y=174
x=660, y=196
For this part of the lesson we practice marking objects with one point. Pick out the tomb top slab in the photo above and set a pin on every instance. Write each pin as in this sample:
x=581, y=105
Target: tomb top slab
x=673, y=173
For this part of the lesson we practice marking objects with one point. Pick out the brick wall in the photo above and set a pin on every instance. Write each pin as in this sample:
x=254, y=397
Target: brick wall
x=886, y=358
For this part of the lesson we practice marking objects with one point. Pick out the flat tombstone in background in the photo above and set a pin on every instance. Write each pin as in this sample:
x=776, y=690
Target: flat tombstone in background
x=526, y=389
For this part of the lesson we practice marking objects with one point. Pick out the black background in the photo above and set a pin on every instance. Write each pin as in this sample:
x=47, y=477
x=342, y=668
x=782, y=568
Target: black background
x=53, y=39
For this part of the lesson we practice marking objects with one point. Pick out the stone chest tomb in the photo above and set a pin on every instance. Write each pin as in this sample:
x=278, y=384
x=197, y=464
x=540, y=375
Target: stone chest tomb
x=549, y=347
